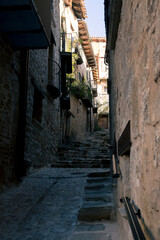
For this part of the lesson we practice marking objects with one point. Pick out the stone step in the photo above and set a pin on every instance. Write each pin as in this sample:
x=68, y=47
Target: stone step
x=82, y=165
x=101, y=188
x=90, y=236
x=80, y=154
x=82, y=151
x=96, y=231
x=87, y=159
x=97, y=180
x=79, y=165
x=81, y=226
x=96, y=213
x=99, y=174
x=97, y=204
x=84, y=155
x=85, y=150
x=94, y=197
x=80, y=160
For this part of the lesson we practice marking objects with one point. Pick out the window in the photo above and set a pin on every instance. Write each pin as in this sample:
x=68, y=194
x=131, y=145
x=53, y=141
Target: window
x=37, y=105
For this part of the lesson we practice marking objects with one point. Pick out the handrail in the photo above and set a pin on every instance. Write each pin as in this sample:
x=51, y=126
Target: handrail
x=116, y=173
x=132, y=218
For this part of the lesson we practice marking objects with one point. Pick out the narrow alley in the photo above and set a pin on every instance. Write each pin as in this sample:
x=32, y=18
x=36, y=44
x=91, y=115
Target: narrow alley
x=62, y=203
x=79, y=120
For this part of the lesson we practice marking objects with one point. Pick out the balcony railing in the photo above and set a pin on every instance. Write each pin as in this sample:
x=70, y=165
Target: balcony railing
x=66, y=52
x=69, y=42
x=27, y=22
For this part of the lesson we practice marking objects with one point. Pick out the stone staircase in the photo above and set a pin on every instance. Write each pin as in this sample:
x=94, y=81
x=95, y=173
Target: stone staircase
x=93, y=152
x=97, y=215
x=98, y=201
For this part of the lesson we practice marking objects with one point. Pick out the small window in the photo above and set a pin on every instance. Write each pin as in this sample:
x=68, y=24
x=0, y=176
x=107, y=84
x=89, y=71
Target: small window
x=37, y=105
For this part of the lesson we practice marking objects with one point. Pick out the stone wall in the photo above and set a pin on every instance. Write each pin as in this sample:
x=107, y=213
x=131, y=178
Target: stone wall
x=29, y=114
x=136, y=88
x=9, y=94
x=103, y=121
x=77, y=122
x=43, y=137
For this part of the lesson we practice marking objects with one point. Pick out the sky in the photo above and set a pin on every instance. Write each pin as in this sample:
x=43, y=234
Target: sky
x=95, y=20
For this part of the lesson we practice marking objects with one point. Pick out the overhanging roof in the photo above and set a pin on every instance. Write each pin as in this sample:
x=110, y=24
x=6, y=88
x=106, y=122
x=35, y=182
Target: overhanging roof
x=98, y=39
x=79, y=9
x=87, y=48
x=86, y=44
x=27, y=22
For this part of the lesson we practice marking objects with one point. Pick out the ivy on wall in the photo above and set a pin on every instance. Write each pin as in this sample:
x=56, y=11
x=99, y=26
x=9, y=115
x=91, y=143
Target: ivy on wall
x=81, y=90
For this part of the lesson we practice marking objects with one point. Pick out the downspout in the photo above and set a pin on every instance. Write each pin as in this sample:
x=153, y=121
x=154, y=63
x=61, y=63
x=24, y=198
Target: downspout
x=90, y=121
x=23, y=86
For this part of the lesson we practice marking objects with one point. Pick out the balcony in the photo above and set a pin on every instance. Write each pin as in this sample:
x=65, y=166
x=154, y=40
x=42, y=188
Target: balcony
x=26, y=22
x=66, y=52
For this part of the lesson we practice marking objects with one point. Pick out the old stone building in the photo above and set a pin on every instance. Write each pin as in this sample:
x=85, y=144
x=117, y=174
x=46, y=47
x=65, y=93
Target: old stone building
x=102, y=99
x=39, y=40
x=77, y=114
x=29, y=86
x=133, y=53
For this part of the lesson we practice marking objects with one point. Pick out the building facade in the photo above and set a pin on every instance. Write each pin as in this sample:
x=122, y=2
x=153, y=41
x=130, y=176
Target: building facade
x=77, y=115
x=30, y=87
x=102, y=99
x=133, y=54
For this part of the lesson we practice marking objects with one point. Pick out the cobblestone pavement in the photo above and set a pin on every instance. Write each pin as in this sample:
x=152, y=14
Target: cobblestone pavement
x=44, y=206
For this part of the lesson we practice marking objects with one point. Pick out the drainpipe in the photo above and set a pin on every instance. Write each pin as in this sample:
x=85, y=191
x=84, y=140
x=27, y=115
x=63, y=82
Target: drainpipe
x=112, y=99
x=23, y=86
x=90, y=121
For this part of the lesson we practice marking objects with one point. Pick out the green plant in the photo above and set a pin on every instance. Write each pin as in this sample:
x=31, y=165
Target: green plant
x=74, y=67
x=97, y=128
x=81, y=90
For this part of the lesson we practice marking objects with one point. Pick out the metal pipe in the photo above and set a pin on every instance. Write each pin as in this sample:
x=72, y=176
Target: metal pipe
x=90, y=120
x=116, y=173
x=132, y=218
